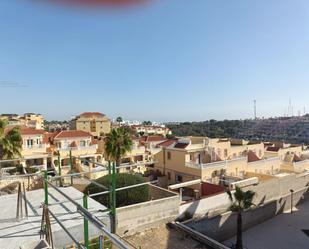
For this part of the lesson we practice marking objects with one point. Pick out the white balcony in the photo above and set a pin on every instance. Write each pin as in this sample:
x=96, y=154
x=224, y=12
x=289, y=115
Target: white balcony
x=222, y=164
x=79, y=148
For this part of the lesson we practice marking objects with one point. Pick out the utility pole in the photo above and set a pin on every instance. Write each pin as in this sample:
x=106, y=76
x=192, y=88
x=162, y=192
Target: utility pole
x=255, y=109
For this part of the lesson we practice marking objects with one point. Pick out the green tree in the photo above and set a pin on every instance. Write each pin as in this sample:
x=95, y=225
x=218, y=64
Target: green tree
x=241, y=200
x=119, y=120
x=124, y=197
x=10, y=142
x=117, y=143
x=147, y=123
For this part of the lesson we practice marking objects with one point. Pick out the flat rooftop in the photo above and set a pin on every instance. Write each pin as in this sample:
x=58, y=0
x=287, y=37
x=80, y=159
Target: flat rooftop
x=284, y=231
x=24, y=234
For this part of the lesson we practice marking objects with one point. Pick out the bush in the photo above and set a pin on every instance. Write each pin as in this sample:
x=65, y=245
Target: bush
x=123, y=197
x=31, y=170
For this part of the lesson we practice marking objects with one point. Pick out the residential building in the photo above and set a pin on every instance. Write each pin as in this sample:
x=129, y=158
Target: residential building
x=35, y=146
x=95, y=123
x=192, y=158
x=280, y=149
x=31, y=120
x=35, y=121
x=152, y=129
x=137, y=158
x=79, y=144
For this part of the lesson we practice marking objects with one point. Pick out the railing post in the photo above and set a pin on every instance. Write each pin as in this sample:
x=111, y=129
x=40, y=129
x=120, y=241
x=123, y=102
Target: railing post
x=59, y=169
x=101, y=242
x=114, y=197
x=46, y=187
x=86, y=231
x=71, y=167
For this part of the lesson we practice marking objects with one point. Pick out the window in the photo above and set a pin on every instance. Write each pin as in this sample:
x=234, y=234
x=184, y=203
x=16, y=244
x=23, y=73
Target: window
x=169, y=156
x=82, y=143
x=178, y=178
x=29, y=143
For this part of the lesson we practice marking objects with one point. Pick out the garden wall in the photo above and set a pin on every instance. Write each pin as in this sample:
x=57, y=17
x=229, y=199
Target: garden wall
x=136, y=218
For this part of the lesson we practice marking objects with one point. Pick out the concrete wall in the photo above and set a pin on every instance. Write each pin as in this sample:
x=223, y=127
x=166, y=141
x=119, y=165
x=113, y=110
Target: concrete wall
x=31, y=182
x=265, y=166
x=272, y=197
x=223, y=227
x=136, y=218
x=209, y=206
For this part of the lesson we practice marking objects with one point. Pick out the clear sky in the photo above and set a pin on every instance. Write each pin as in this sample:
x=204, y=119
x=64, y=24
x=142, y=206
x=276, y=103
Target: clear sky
x=170, y=60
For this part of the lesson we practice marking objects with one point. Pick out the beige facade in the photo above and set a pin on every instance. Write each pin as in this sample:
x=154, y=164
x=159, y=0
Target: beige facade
x=31, y=120
x=207, y=159
x=151, y=129
x=34, y=149
x=93, y=122
x=81, y=146
x=136, y=159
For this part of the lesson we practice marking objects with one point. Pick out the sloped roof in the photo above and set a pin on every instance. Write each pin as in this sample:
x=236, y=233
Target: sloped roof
x=167, y=143
x=181, y=145
x=296, y=158
x=72, y=134
x=273, y=149
x=26, y=130
x=91, y=114
x=155, y=139
x=252, y=157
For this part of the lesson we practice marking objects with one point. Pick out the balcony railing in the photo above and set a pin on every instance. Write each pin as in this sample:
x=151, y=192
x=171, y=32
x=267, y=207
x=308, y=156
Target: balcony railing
x=91, y=147
x=33, y=147
x=222, y=164
x=266, y=160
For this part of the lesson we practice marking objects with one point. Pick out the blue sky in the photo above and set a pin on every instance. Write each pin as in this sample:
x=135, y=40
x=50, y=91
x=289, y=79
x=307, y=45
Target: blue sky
x=170, y=60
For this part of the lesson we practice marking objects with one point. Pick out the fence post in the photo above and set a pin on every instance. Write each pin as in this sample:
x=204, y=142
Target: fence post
x=101, y=242
x=86, y=231
x=114, y=198
x=59, y=169
x=46, y=187
x=71, y=167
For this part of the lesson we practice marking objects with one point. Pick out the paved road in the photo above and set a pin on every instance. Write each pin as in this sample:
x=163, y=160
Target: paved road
x=282, y=232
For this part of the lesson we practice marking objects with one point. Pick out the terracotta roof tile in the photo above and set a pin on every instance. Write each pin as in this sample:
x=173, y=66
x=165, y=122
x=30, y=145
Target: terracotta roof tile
x=273, y=149
x=91, y=114
x=167, y=143
x=252, y=157
x=26, y=130
x=72, y=134
x=181, y=145
x=155, y=139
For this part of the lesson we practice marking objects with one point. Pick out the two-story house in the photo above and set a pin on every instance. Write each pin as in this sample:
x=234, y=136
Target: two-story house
x=79, y=144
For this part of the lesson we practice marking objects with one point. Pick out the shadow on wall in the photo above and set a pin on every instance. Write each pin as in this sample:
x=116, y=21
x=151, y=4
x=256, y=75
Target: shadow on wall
x=223, y=227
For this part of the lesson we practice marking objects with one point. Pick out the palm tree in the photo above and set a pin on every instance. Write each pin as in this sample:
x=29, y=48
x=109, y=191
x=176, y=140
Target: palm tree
x=119, y=120
x=10, y=142
x=117, y=143
x=241, y=200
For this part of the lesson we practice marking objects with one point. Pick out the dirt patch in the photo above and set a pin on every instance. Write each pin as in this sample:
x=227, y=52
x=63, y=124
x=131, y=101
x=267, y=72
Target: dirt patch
x=163, y=238
x=9, y=189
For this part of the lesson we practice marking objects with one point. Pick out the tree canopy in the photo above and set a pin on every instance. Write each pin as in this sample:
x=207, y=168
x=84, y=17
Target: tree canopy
x=124, y=197
x=10, y=142
x=117, y=143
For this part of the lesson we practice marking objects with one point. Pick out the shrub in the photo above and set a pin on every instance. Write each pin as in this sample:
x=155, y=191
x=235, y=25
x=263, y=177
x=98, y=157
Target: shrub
x=123, y=197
